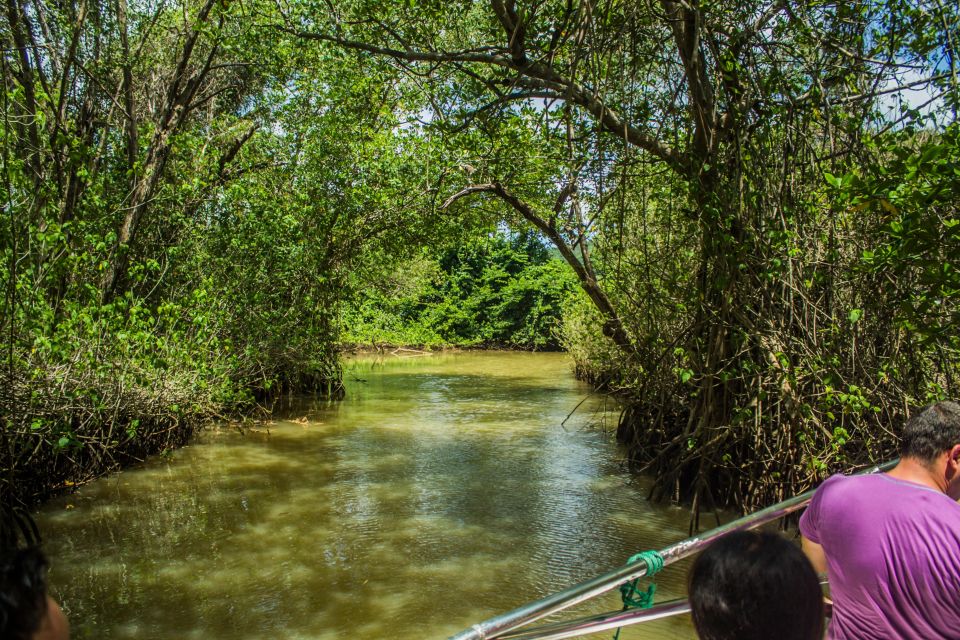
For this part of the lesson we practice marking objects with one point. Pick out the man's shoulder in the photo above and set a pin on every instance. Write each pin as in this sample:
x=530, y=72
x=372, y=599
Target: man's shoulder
x=840, y=482
x=881, y=482
x=873, y=491
x=881, y=493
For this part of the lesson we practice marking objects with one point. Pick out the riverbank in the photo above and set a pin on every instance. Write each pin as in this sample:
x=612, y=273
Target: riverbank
x=68, y=424
x=379, y=348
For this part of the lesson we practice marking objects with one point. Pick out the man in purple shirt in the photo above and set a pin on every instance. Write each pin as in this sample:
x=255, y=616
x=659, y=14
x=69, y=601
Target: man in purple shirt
x=890, y=543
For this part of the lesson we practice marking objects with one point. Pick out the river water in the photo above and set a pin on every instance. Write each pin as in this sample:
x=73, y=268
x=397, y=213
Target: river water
x=442, y=491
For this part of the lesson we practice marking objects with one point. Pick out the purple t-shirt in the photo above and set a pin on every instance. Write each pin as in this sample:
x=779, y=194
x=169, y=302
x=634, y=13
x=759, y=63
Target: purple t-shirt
x=893, y=557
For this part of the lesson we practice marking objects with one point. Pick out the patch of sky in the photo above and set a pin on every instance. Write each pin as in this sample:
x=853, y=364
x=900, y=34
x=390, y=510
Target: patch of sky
x=912, y=95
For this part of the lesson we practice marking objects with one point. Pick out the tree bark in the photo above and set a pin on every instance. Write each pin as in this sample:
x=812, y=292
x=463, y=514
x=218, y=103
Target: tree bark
x=177, y=107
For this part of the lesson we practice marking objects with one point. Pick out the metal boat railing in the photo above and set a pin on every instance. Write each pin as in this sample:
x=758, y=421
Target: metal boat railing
x=501, y=626
x=612, y=620
x=600, y=622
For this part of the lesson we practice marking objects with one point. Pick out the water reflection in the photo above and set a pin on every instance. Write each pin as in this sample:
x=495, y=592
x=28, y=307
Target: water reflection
x=442, y=491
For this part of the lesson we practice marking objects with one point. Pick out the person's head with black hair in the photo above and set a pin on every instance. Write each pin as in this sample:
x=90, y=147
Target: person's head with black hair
x=930, y=448
x=931, y=432
x=23, y=593
x=755, y=586
x=27, y=612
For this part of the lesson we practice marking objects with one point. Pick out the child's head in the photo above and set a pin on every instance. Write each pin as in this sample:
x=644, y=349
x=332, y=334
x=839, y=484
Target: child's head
x=755, y=586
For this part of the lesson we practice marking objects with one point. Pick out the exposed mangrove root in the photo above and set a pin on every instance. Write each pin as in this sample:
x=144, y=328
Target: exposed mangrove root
x=64, y=430
x=766, y=453
x=70, y=425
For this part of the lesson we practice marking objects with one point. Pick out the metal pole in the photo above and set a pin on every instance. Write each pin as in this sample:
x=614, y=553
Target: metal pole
x=601, y=622
x=498, y=626
x=611, y=620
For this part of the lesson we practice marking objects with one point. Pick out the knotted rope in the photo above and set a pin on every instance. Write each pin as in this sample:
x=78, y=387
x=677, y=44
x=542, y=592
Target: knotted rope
x=631, y=594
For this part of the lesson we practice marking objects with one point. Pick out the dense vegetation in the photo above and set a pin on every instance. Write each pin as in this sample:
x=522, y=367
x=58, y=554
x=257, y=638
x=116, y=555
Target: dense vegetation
x=203, y=199
x=504, y=291
x=720, y=179
x=181, y=212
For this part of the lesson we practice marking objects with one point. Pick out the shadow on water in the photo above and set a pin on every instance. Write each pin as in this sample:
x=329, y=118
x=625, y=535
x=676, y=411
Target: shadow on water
x=441, y=492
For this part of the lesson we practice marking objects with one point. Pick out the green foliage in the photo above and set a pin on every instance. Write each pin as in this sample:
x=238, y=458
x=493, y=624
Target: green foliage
x=595, y=357
x=911, y=195
x=190, y=266
x=498, y=290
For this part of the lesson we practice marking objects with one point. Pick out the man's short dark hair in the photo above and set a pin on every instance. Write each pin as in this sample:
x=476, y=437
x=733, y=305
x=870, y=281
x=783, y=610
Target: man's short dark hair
x=755, y=586
x=23, y=592
x=932, y=431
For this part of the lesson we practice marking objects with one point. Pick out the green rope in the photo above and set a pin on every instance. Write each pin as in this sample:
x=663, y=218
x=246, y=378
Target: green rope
x=631, y=594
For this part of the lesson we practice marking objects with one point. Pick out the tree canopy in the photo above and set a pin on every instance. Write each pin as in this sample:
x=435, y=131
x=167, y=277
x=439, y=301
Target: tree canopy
x=757, y=202
x=677, y=156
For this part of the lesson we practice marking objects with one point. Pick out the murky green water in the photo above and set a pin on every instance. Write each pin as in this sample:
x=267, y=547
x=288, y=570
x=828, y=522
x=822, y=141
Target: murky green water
x=441, y=492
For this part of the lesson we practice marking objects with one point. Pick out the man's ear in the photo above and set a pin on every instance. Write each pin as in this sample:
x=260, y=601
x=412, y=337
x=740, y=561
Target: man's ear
x=953, y=460
x=952, y=472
